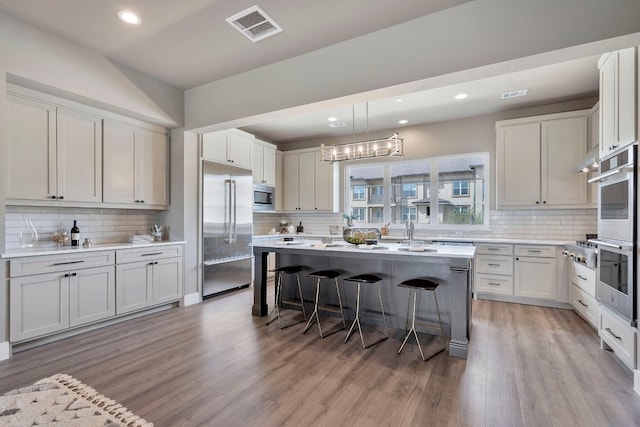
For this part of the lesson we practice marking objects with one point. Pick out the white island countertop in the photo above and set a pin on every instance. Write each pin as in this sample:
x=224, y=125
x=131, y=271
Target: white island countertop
x=54, y=250
x=383, y=249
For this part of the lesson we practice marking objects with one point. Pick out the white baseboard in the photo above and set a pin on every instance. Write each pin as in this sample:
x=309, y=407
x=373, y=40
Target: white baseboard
x=5, y=350
x=191, y=299
x=636, y=380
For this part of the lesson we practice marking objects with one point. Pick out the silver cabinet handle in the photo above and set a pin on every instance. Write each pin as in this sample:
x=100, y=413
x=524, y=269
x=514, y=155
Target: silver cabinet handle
x=493, y=284
x=151, y=254
x=68, y=262
x=583, y=278
x=583, y=304
x=534, y=251
x=494, y=265
x=493, y=249
x=612, y=334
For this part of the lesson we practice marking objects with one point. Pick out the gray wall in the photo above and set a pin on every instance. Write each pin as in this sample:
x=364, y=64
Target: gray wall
x=478, y=39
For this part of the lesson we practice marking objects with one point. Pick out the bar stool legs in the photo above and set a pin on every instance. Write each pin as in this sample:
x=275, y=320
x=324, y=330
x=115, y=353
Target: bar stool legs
x=414, y=285
x=367, y=279
x=319, y=275
x=278, y=302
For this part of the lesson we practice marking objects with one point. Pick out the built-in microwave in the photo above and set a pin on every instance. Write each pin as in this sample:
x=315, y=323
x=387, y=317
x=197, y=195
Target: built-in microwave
x=264, y=198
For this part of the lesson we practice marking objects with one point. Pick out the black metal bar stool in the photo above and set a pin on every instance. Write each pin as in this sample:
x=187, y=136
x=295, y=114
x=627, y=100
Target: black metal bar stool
x=280, y=271
x=415, y=285
x=320, y=275
x=366, y=279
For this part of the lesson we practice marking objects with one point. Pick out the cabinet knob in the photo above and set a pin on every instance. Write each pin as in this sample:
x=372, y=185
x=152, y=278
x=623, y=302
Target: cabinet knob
x=74, y=274
x=53, y=197
x=66, y=275
x=61, y=197
x=537, y=202
x=544, y=202
x=517, y=259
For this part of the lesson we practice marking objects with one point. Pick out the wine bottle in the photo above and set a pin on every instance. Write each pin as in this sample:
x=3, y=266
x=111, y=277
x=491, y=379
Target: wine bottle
x=75, y=234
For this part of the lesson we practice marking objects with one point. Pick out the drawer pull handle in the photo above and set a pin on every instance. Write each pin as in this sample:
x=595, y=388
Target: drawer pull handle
x=494, y=284
x=68, y=262
x=493, y=249
x=494, y=265
x=152, y=254
x=581, y=277
x=614, y=335
x=534, y=251
x=583, y=304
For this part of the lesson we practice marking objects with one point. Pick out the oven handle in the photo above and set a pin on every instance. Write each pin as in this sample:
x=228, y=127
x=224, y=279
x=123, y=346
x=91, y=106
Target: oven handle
x=623, y=169
x=609, y=245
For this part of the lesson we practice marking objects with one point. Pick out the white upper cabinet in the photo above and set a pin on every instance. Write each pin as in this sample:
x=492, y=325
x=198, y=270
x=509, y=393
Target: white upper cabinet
x=264, y=163
x=309, y=183
x=228, y=146
x=54, y=152
x=536, y=159
x=618, y=93
x=135, y=165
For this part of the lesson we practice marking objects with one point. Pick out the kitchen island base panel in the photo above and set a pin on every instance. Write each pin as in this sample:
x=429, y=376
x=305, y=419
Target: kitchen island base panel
x=452, y=272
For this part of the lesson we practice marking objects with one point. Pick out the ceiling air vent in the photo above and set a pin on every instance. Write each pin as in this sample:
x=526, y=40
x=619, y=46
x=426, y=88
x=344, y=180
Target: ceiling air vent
x=514, y=94
x=254, y=24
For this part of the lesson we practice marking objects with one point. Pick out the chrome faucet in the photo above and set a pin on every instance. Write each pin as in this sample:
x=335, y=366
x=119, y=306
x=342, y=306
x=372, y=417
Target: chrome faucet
x=410, y=228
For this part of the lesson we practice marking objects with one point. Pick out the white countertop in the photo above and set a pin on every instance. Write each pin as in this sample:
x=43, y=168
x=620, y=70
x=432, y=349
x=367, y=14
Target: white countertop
x=448, y=251
x=54, y=250
x=338, y=237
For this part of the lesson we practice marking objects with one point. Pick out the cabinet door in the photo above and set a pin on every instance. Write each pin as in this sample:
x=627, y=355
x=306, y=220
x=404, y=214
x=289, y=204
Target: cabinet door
x=31, y=149
x=290, y=180
x=627, y=93
x=152, y=179
x=39, y=305
x=269, y=165
x=133, y=286
x=167, y=280
x=608, y=70
x=214, y=146
x=518, y=157
x=92, y=295
x=119, y=163
x=79, y=155
x=306, y=181
x=564, y=145
x=257, y=163
x=535, y=277
x=239, y=148
x=323, y=186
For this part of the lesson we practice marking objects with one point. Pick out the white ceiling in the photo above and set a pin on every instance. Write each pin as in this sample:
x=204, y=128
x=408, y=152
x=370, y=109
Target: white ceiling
x=188, y=43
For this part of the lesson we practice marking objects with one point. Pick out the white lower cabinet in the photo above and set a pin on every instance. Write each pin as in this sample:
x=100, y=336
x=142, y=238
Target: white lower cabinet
x=618, y=336
x=535, y=277
x=53, y=293
x=58, y=298
x=148, y=277
x=583, y=292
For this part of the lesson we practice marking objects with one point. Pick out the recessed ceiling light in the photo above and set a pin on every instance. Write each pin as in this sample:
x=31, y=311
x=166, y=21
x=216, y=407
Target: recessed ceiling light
x=403, y=121
x=129, y=17
x=398, y=100
x=332, y=119
x=461, y=96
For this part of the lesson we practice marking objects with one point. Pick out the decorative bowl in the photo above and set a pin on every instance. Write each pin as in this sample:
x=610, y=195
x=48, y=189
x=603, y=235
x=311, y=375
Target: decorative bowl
x=359, y=236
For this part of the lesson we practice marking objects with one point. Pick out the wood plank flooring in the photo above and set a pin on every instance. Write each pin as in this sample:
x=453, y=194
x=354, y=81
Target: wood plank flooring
x=213, y=364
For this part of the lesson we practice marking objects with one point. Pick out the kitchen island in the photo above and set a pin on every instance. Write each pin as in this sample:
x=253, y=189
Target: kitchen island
x=451, y=266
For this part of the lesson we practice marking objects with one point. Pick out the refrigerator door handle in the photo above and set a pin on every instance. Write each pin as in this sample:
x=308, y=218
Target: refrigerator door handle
x=235, y=211
x=227, y=210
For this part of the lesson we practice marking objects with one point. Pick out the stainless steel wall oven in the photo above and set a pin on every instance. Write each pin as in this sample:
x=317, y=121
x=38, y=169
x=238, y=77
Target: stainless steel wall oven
x=617, y=232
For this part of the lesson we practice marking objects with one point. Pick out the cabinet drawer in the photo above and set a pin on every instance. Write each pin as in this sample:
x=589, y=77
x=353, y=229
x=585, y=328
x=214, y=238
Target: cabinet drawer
x=154, y=252
x=618, y=335
x=535, y=251
x=54, y=263
x=494, y=284
x=585, y=305
x=494, y=264
x=491, y=249
x=584, y=278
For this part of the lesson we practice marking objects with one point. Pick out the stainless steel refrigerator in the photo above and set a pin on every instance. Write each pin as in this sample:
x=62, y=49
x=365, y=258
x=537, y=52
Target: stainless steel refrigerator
x=227, y=215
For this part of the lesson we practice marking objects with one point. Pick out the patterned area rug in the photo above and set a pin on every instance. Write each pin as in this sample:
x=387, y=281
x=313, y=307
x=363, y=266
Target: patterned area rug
x=63, y=401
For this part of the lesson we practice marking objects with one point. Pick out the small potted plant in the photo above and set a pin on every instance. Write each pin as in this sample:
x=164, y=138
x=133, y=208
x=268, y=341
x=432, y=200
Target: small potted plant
x=349, y=219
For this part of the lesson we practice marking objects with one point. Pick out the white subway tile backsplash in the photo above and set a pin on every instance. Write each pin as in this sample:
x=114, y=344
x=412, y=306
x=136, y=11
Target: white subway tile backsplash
x=100, y=225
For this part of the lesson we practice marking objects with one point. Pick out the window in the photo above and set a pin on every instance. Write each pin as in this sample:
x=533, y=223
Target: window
x=359, y=214
x=409, y=214
x=435, y=192
x=358, y=193
x=409, y=191
x=460, y=188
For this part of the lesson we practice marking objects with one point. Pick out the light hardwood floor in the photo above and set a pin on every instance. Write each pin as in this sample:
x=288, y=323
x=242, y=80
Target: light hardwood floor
x=214, y=364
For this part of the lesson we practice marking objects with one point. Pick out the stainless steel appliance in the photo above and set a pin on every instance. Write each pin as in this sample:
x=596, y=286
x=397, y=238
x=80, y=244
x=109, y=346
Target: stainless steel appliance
x=582, y=252
x=227, y=228
x=617, y=232
x=264, y=198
